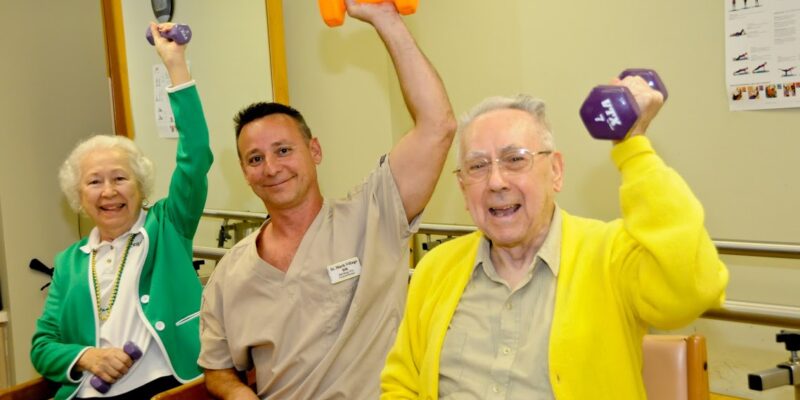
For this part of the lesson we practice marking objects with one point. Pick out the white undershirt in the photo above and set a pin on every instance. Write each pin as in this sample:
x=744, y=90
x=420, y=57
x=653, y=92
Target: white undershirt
x=126, y=321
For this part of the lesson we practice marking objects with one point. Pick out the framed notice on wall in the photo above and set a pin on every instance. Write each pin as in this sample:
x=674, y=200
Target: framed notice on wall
x=762, y=43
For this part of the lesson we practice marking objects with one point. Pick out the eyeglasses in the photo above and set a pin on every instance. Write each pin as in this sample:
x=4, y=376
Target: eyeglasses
x=477, y=169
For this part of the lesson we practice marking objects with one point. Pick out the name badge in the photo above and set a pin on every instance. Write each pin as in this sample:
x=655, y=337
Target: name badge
x=344, y=270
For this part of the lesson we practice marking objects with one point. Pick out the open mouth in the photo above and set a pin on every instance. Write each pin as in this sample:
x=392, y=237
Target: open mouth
x=504, y=211
x=112, y=207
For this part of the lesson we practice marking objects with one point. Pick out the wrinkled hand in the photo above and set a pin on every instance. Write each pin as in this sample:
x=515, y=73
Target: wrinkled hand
x=108, y=364
x=169, y=51
x=371, y=11
x=648, y=99
x=172, y=54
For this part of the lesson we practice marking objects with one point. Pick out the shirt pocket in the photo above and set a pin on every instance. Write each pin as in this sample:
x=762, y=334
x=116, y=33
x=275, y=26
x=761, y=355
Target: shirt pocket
x=188, y=318
x=451, y=365
x=339, y=298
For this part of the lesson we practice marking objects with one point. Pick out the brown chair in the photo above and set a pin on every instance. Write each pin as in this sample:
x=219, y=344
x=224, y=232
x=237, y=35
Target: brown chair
x=675, y=367
x=194, y=390
x=42, y=389
x=34, y=389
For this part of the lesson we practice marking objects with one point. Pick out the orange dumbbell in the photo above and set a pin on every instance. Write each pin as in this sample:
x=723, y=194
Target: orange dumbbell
x=333, y=10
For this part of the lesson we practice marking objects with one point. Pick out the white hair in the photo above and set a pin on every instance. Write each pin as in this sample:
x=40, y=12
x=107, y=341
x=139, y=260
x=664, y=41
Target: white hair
x=534, y=107
x=69, y=174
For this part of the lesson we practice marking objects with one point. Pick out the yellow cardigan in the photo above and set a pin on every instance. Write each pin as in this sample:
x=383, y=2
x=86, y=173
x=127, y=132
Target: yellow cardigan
x=656, y=266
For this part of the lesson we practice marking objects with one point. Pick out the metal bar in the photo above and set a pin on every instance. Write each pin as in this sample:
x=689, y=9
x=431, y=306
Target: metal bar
x=227, y=214
x=734, y=311
x=731, y=247
x=757, y=313
x=209, y=253
x=446, y=230
x=758, y=249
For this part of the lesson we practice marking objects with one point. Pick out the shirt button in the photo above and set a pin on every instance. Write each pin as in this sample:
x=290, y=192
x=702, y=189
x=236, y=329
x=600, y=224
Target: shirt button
x=108, y=261
x=506, y=350
x=160, y=326
x=495, y=389
x=508, y=305
x=145, y=298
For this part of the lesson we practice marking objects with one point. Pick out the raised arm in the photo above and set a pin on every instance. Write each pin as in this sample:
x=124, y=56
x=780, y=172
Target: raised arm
x=172, y=54
x=670, y=266
x=416, y=161
x=188, y=187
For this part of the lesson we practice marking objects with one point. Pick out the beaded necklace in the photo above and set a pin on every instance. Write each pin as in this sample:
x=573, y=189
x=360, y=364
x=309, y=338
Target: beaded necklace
x=105, y=312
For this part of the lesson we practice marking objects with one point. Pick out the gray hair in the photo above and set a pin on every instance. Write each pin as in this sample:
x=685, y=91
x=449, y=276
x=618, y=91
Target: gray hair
x=69, y=174
x=534, y=107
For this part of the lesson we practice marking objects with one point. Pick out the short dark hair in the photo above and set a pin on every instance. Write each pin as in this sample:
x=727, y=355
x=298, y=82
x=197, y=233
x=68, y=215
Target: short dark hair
x=262, y=109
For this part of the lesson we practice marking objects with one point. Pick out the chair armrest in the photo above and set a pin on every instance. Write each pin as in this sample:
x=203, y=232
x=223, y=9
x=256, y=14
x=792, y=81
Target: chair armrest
x=194, y=390
x=675, y=367
x=697, y=362
x=34, y=389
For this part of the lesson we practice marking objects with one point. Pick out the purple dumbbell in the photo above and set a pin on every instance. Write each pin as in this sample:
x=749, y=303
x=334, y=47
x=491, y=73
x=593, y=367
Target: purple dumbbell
x=179, y=33
x=609, y=112
x=133, y=351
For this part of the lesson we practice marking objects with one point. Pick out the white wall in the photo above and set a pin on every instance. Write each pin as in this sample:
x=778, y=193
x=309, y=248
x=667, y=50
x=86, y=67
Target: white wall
x=742, y=166
x=53, y=92
x=340, y=79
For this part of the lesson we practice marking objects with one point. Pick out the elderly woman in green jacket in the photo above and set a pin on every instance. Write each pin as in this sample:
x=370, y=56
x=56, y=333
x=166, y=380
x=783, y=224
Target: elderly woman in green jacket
x=131, y=279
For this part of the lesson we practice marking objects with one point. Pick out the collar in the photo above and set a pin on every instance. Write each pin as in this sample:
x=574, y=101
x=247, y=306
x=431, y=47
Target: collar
x=94, y=243
x=549, y=253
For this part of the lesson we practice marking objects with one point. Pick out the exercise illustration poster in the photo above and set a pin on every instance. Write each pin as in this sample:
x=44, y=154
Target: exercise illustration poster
x=762, y=50
x=165, y=120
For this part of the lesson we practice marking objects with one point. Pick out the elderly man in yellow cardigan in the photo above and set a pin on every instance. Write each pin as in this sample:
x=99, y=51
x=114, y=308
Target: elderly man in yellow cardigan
x=541, y=304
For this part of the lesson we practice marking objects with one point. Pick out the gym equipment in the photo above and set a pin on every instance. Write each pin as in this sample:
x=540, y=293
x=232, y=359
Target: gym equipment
x=132, y=350
x=333, y=10
x=609, y=112
x=180, y=34
x=784, y=374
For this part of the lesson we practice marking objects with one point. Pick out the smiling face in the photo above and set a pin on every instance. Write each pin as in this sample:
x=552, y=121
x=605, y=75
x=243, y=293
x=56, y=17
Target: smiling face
x=278, y=163
x=109, y=192
x=513, y=209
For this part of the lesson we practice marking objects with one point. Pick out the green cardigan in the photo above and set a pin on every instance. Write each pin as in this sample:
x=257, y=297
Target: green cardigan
x=657, y=266
x=69, y=323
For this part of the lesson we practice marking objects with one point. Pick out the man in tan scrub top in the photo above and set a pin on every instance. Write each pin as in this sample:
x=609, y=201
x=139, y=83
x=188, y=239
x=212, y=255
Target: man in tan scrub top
x=313, y=299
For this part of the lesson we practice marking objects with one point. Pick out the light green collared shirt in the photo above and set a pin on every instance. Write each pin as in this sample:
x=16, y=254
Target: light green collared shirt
x=497, y=344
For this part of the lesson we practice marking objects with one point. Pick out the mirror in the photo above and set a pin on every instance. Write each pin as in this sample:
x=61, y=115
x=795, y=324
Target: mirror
x=236, y=56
